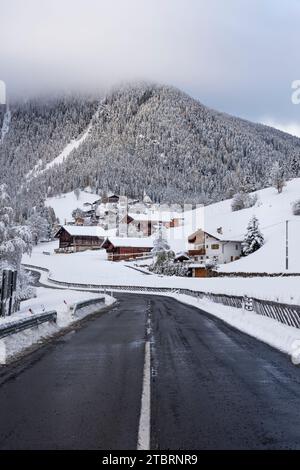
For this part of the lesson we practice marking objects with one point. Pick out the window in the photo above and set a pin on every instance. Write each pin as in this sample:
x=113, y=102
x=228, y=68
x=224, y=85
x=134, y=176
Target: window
x=236, y=247
x=215, y=246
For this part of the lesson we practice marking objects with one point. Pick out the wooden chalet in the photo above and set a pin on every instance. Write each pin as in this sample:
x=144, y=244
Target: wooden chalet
x=73, y=238
x=121, y=248
x=110, y=198
x=148, y=223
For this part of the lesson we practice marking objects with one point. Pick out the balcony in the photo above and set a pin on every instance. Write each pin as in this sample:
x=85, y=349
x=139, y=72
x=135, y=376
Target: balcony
x=197, y=252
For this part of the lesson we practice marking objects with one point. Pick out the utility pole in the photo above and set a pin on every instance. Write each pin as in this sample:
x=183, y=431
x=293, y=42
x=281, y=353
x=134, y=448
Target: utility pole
x=286, y=244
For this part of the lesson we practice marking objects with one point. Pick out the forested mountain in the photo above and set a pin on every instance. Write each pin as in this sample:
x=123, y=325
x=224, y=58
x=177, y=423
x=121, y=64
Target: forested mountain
x=143, y=136
x=38, y=131
x=2, y=113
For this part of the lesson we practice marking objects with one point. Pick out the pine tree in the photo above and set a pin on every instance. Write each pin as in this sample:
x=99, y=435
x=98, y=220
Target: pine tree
x=39, y=227
x=295, y=165
x=77, y=193
x=254, y=239
x=296, y=207
x=243, y=200
x=160, y=244
x=277, y=177
x=14, y=239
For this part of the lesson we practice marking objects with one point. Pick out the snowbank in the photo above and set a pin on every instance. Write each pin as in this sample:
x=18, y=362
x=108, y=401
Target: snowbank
x=63, y=301
x=282, y=337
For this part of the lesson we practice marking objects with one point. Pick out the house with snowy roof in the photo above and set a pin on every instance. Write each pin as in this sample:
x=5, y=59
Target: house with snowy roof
x=147, y=223
x=125, y=248
x=214, y=246
x=74, y=238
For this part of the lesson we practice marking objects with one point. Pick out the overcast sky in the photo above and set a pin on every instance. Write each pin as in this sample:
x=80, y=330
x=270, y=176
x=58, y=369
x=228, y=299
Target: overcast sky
x=238, y=56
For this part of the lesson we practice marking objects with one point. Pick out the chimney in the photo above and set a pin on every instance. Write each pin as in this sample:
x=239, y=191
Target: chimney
x=220, y=230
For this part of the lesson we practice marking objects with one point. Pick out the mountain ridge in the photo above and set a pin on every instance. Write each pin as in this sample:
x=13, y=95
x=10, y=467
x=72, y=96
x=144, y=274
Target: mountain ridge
x=146, y=137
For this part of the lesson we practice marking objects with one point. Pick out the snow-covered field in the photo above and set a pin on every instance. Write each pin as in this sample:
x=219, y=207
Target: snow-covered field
x=64, y=204
x=272, y=210
x=90, y=267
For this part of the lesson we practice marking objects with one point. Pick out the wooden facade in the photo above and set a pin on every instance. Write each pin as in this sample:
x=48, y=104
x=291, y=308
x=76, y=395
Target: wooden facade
x=111, y=198
x=199, y=272
x=69, y=243
x=195, y=270
x=123, y=253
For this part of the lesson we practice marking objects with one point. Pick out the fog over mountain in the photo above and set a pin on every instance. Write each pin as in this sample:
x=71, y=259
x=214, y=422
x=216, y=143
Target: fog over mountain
x=138, y=137
x=238, y=57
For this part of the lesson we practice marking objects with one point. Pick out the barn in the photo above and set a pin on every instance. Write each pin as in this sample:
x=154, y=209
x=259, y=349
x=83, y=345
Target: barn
x=73, y=238
x=122, y=248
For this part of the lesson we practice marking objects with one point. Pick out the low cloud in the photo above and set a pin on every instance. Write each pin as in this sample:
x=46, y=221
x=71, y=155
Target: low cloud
x=292, y=128
x=239, y=57
x=2, y=92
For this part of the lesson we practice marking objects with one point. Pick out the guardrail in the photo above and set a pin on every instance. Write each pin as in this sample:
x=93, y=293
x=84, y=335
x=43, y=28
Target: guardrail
x=86, y=303
x=284, y=313
x=25, y=323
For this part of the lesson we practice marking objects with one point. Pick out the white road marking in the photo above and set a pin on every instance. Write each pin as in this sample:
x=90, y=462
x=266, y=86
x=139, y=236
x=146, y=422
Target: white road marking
x=145, y=416
x=144, y=424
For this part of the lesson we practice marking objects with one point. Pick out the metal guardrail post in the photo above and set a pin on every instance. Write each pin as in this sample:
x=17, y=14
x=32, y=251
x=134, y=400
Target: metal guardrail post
x=248, y=303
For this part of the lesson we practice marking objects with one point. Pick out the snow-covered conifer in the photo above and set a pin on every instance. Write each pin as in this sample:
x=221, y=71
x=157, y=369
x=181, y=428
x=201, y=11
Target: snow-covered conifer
x=296, y=207
x=243, y=201
x=160, y=244
x=277, y=177
x=14, y=239
x=77, y=193
x=39, y=227
x=254, y=239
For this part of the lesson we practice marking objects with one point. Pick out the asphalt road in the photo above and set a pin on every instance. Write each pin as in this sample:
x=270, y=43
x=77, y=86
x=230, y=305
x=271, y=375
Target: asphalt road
x=83, y=391
x=211, y=387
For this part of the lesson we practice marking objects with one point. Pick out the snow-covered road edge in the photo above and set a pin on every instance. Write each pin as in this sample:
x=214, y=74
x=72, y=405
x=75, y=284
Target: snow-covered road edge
x=17, y=344
x=270, y=331
x=277, y=335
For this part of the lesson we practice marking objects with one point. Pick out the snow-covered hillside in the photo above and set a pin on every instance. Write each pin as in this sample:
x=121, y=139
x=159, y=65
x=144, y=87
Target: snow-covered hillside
x=64, y=204
x=272, y=210
x=74, y=144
